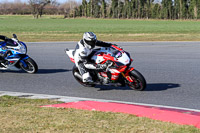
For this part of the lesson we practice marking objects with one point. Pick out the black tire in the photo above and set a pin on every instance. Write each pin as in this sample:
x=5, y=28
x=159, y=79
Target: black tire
x=139, y=82
x=75, y=69
x=31, y=66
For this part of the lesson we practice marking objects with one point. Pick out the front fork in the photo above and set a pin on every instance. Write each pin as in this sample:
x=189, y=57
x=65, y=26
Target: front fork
x=22, y=61
x=126, y=75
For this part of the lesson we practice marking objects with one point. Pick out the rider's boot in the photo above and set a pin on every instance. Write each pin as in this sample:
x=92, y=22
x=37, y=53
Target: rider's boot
x=2, y=60
x=87, y=78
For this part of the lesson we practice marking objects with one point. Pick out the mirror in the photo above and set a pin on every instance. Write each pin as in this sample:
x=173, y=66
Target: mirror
x=15, y=36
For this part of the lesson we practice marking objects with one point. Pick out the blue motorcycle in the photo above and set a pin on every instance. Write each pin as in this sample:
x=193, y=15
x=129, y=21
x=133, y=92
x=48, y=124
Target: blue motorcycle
x=14, y=55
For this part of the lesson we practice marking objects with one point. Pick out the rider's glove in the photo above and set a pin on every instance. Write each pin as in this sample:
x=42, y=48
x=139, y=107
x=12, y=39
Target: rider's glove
x=115, y=45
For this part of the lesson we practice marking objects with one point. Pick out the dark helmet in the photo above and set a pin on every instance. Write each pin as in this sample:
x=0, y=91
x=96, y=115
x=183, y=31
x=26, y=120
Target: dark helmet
x=89, y=39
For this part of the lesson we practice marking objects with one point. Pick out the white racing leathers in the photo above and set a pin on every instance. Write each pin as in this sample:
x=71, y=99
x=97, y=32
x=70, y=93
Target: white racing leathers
x=81, y=58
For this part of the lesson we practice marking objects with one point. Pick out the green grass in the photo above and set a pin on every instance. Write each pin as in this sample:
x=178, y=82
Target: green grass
x=55, y=28
x=19, y=115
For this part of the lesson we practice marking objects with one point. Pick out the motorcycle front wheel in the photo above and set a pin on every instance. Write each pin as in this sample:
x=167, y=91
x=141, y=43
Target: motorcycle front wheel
x=139, y=82
x=31, y=66
x=79, y=79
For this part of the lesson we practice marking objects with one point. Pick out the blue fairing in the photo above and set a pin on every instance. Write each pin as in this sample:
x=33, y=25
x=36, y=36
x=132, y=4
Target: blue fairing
x=13, y=56
x=1, y=43
x=25, y=57
x=23, y=43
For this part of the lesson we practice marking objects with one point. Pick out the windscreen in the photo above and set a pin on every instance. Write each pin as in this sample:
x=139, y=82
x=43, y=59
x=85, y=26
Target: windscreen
x=116, y=53
x=10, y=42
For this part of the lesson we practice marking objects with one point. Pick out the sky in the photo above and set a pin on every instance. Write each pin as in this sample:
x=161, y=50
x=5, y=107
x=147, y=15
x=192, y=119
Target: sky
x=60, y=1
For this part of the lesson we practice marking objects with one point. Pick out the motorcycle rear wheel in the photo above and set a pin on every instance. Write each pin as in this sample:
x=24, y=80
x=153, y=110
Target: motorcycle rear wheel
x=85, y=84
x=31, y=66
x=139, y=82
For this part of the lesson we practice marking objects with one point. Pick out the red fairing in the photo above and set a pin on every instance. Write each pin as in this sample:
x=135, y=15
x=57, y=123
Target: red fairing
x=122, y=68
x=108, y=57
x=115, y=76
x=116, y=47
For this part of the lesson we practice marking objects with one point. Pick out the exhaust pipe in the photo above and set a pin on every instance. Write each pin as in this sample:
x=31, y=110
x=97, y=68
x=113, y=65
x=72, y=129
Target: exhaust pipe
x=78, y=75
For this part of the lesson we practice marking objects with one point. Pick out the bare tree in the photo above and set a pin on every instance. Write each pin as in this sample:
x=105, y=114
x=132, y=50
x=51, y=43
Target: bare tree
x=16, y=7
x=38, y=6
x=69, y=8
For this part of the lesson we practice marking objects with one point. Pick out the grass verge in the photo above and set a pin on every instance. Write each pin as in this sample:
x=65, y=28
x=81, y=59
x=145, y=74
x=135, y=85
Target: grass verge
x=55, y=28
x=19, y=115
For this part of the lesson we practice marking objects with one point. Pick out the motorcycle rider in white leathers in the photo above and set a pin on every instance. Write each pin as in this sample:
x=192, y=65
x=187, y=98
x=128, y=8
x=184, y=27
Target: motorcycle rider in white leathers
x=82, y=52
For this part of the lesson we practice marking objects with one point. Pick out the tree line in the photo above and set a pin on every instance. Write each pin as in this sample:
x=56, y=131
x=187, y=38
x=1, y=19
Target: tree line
x=125, y=9
x=140, y=9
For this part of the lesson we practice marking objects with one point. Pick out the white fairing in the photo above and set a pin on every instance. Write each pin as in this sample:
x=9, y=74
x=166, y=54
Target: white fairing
x=19, y=48
x=70, y=53
x=124, y=59
x=121, y=57
x=9, y=68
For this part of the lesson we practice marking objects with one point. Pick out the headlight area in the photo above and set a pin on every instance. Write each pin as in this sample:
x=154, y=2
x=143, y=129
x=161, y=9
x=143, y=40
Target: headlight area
x=22, y=49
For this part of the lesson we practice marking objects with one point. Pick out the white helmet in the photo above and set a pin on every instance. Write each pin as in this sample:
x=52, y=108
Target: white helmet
x=89, y=39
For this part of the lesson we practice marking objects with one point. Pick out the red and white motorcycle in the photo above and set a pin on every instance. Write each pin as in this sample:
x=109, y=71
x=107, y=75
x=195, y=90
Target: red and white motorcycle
x=118, y=72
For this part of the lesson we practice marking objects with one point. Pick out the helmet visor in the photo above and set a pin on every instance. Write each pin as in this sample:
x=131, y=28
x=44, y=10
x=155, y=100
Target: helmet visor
x=91, y=43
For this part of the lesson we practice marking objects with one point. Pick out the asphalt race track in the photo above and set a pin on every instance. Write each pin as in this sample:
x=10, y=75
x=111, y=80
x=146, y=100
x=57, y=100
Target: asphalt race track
x=171, y=69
